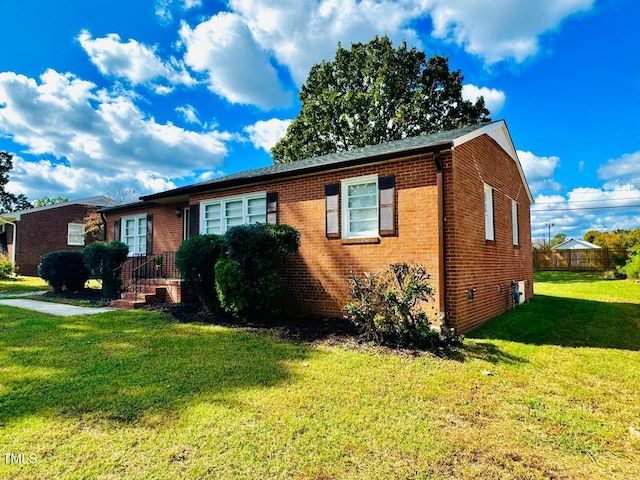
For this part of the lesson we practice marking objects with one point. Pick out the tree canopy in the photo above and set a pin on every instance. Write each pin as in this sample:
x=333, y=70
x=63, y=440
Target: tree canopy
x=9, y=202
x=46, y=201
x=557, y=239
x=620, y=238
x=374, y=93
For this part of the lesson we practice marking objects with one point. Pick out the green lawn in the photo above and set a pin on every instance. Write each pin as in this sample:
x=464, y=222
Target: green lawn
x=20, y=284
x=549, y=391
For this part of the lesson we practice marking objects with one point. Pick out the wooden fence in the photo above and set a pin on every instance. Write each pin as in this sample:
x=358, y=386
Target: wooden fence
x=594, y=259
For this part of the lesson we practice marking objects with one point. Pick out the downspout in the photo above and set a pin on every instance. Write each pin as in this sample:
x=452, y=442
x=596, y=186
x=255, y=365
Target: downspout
x=13, y=250
x=104, y=226
x=442, y=282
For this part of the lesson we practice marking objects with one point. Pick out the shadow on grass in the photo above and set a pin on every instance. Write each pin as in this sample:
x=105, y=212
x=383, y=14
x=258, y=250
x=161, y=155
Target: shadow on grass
x=120, y=366
x=568, y=322
x=482, y=351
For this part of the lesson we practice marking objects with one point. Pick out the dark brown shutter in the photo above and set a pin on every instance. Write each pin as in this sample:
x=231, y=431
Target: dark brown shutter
x=272, y=207
x=194, y=220
x=149, y=234
x=332, y=201
x=116, y=231
x=387, y=195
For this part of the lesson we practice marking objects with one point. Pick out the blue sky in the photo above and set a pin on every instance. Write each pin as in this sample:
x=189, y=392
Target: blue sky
x=99, y=97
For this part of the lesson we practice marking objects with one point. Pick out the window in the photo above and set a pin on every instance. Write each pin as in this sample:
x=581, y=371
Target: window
x=75, y=234
x=514, y=222
x=217, y=216
x=360, y=207
x=134, y=234
x=488, y=213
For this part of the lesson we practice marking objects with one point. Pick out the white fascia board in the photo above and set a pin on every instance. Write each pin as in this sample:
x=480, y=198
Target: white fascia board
x=500, y=133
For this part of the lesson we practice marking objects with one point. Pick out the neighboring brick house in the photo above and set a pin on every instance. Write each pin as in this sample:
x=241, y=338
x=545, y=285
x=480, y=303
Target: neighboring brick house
x=456, y=202
x=29, y=234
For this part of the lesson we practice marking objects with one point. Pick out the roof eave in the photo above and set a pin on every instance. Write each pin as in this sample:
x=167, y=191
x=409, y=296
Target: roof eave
x=183, y=192
x=499, y=132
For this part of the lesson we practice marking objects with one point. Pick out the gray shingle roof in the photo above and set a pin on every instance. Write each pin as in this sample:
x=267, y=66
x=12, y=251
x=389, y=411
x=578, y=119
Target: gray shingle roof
x=325, y=162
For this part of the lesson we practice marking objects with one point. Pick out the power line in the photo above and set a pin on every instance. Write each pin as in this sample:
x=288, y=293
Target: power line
x=586, y=201
x=582, y=208
x=588, y=142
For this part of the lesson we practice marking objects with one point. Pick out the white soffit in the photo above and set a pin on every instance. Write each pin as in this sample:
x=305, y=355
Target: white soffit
x=499, y=132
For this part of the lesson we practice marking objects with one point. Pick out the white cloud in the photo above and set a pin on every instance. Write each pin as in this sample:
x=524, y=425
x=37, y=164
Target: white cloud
x=164, y=8
x=539, y=171
x=493, y=99
x=46, y=178
x=134, y=62
x=265, y=133
x=189, y=113
x=238, y=69
x=301, y=33
x=605, y=208
x=238, y=49
x=89, y=130
x=625, y=169
x=497, y=30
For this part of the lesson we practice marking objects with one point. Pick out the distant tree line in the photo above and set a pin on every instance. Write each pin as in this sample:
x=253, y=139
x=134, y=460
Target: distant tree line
x=619, y=238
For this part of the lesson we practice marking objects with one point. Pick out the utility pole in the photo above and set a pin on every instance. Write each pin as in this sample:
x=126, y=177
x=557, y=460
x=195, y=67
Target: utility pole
x=549, y=225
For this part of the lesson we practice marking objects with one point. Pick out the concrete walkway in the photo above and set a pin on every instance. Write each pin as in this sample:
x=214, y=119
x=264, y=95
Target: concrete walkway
x=51, y=308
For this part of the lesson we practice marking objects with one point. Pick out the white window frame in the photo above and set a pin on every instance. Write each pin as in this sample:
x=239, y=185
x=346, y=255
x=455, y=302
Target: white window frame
x=345, y=184
x=222, y=203
x=75, y=234
x=489, y=232
x=123, y=236
x=514, y=223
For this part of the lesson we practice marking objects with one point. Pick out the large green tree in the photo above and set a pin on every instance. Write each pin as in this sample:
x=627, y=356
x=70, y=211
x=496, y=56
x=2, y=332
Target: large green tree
x=46, y=201
x=374, y=93
x=9, y=202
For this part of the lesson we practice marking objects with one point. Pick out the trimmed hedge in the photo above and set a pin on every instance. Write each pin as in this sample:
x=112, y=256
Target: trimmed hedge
x=248, y=282
x=196, y=259
x=102, y=259
x=64, y=270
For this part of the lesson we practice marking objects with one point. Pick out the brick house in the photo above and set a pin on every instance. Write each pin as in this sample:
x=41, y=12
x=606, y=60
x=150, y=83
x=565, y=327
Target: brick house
x=26, y=235
x=456, y=202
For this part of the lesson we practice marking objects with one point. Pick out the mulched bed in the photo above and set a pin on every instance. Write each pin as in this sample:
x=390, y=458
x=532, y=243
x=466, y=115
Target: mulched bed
x=306, y=329
x=300, y=328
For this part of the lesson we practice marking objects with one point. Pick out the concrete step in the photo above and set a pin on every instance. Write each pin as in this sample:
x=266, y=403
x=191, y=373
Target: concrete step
x=131, y=300
x=126, y=304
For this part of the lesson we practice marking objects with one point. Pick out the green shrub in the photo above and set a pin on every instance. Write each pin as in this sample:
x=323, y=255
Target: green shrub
x=248, y=282
x=231, y=288
x=389, y=306
x=6, y=268
x=196, y=259
x=102, y=260
x=64, y=270
x=632, y=267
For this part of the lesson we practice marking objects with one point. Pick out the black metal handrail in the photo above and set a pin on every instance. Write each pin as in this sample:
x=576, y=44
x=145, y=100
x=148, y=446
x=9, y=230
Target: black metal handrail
x=142, y=271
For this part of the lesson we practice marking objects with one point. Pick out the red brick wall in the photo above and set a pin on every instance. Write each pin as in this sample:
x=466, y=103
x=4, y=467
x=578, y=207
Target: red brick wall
x=167, y=227
x=44, y=231
x=317, y=274
x=472, y=262
x=317, y=277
